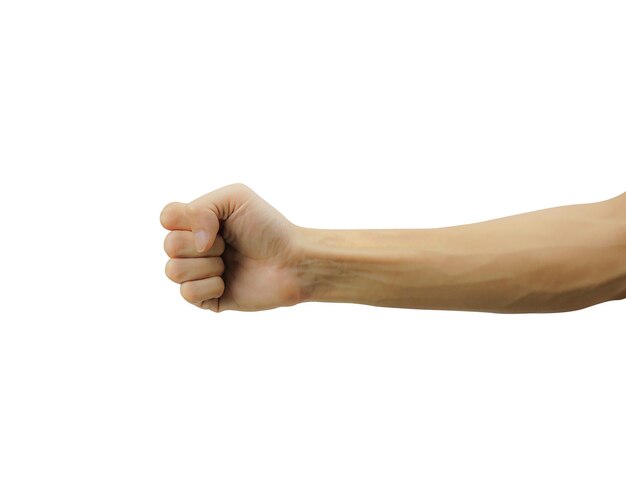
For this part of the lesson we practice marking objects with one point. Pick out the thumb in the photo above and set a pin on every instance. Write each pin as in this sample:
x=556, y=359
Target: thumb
x=205, y=213
x=204, y=225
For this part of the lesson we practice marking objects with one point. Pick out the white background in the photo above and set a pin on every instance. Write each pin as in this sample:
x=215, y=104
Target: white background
x=342, y=115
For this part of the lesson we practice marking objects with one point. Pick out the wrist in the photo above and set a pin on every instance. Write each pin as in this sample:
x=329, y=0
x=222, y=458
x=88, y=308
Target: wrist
x=316, y=265
x=356, y=266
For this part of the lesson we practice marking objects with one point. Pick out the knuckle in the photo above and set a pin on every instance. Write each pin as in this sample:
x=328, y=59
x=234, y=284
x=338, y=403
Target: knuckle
x=240, y=188
x=173, y=271
x=193, y=208
x=173, y=244
x=197, y=211
x=166, y=213
x=169, y=245
x=190, y=292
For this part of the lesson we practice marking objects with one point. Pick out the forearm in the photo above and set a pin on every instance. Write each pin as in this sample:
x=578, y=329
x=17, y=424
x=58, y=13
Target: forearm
x=557, y=259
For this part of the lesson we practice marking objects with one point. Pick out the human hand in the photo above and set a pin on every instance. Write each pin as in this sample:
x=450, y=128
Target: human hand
x=231, y=250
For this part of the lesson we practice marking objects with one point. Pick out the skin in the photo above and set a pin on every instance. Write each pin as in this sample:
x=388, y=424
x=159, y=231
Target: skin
x=231, y=250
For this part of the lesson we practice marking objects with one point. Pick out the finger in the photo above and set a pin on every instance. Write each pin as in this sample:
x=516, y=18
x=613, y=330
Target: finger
x=196, y=291
x=204, y=225
x=206, y=212
x=174, y=217
x=181, y=244
x=211, y=304
x=183, y=270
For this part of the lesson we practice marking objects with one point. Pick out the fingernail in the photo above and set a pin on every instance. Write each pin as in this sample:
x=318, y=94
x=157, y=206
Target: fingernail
x=201, y=238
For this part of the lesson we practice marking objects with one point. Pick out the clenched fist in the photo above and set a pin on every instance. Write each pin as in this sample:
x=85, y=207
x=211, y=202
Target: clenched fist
x=231, y=250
